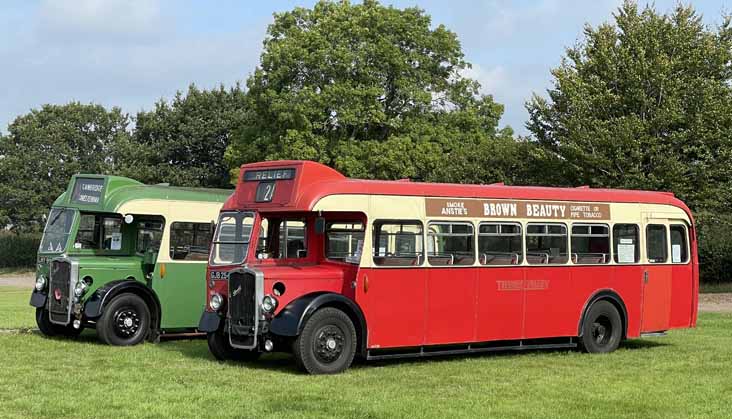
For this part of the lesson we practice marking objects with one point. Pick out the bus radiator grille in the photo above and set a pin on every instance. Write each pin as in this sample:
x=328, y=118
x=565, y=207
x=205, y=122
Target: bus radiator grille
x=60, y=291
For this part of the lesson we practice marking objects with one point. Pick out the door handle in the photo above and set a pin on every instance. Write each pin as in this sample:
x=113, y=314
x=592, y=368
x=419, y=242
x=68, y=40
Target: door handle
x=365, y=284
x=645, y=277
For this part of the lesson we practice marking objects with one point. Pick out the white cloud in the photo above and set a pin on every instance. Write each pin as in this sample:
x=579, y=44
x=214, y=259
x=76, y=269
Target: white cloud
x=99, y=20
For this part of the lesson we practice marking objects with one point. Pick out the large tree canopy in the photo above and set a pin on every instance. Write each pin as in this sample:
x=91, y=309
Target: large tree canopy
x=644, y=102
x=44, y=148
x=183, y=142
x=374, y=91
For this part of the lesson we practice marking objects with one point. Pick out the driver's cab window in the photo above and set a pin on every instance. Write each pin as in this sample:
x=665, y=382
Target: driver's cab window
x=282, y=239
x=99, y=232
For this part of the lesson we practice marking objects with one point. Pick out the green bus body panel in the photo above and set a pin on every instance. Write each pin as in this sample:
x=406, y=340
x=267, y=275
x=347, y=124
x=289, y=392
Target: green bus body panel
x=182, y=292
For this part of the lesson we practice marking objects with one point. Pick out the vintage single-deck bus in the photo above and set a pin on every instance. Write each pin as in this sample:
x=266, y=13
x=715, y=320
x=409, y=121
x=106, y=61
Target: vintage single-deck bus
x=308, y=261
x=126, y=258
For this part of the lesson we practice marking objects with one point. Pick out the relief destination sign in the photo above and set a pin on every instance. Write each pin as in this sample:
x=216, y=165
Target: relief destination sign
x=87, y=191
x=478, y=208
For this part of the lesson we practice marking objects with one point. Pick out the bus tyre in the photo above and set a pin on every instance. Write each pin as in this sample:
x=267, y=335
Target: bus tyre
x=602, y=328
x=327, y=343
x=50, y=329
x=221, y=349
x=125, y=321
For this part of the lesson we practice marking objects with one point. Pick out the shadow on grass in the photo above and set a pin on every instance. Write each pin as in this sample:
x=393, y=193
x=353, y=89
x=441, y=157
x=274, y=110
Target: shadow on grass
x=285, y=363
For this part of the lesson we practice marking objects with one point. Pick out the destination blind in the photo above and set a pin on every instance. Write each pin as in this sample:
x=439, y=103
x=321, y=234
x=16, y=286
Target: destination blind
x=87, y=191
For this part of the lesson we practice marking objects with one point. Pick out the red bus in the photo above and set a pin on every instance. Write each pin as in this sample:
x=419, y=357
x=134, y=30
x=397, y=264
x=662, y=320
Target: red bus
x=309, y=261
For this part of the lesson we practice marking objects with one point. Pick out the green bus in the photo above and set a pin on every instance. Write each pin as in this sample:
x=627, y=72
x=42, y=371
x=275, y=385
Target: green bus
x=125, y=258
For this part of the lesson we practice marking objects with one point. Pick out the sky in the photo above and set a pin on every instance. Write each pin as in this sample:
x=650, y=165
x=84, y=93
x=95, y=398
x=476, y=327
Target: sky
x=132, y=53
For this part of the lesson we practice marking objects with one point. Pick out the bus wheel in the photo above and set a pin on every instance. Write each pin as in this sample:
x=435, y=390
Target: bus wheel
x=125, y=321
x=221, y=349
x=51, y=329
x=327, y=343
x=602, y=328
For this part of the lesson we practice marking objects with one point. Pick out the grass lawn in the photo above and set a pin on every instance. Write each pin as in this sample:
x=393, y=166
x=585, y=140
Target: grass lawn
x=686, y=374
x=15, y=312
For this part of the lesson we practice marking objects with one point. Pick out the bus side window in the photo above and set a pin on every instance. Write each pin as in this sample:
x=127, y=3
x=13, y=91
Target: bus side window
x=450, y=244
x=500, y=244
x=190, y=241
x=590, y=244
x=344, y=241
x=398, y=243
x=546, y=243
x=626, y=243
x=679, y=244
x=656, y=243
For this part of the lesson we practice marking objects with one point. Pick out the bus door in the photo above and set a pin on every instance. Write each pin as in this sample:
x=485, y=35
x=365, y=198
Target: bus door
x=393, y=292
x=682, y=274
x=657, y=276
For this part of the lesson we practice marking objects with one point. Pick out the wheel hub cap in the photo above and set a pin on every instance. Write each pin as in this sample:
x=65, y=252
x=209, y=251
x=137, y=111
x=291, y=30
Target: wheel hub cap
x=328, y=344
x=126, y=323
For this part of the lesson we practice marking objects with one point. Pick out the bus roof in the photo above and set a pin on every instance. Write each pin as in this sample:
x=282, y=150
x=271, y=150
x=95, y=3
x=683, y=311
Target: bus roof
x=104, y=193
x=311, y=181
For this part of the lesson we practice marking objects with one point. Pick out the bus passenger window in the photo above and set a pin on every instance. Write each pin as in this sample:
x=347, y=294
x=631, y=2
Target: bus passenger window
x=656, y=243
x=546, y=243
x=398, y=243
x=500, y=244
x=344, y=241
x=190, y=241
x=450, y=244
x=590, y=244
x=626, y=244
x=149, y=235
x=679, y=248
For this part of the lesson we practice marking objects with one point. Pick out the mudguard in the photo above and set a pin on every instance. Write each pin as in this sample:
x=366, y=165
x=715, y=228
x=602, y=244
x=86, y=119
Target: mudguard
x=291, y=320
x=209, y=322
x=38, y=299
x=605, y=295
x=94, y=305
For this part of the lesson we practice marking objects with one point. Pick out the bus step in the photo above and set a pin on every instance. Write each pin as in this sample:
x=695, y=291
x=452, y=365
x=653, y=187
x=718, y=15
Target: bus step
x=653, y=334
x=470, y=349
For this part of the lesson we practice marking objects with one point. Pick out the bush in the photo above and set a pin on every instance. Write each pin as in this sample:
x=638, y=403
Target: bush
x=714, y=235
x=18, y=250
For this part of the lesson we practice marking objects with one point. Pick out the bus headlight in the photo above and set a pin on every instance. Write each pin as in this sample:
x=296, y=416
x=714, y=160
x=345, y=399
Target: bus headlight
x=80, y=288
x=216, y=302
x=40, y=283
x=269, y=304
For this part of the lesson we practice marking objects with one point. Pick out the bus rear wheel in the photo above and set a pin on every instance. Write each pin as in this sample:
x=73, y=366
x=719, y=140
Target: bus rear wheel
x=51, y=329
x=327, y=343
x=221, y=349
x=602, y=328
x=125, y=321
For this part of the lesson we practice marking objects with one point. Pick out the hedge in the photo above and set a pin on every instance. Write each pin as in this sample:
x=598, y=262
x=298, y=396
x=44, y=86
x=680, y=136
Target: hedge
x=714, y=235
x=18, y=250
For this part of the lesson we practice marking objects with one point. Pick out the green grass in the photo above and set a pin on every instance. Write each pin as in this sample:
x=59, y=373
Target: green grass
x=15, y=312
x=685, y=374
x=715, y=288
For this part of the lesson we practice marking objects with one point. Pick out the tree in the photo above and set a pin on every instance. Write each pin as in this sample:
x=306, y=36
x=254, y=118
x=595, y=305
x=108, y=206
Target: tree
x=44, y=148
x=644, y=103
x=373, y=91
x=183, y=142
